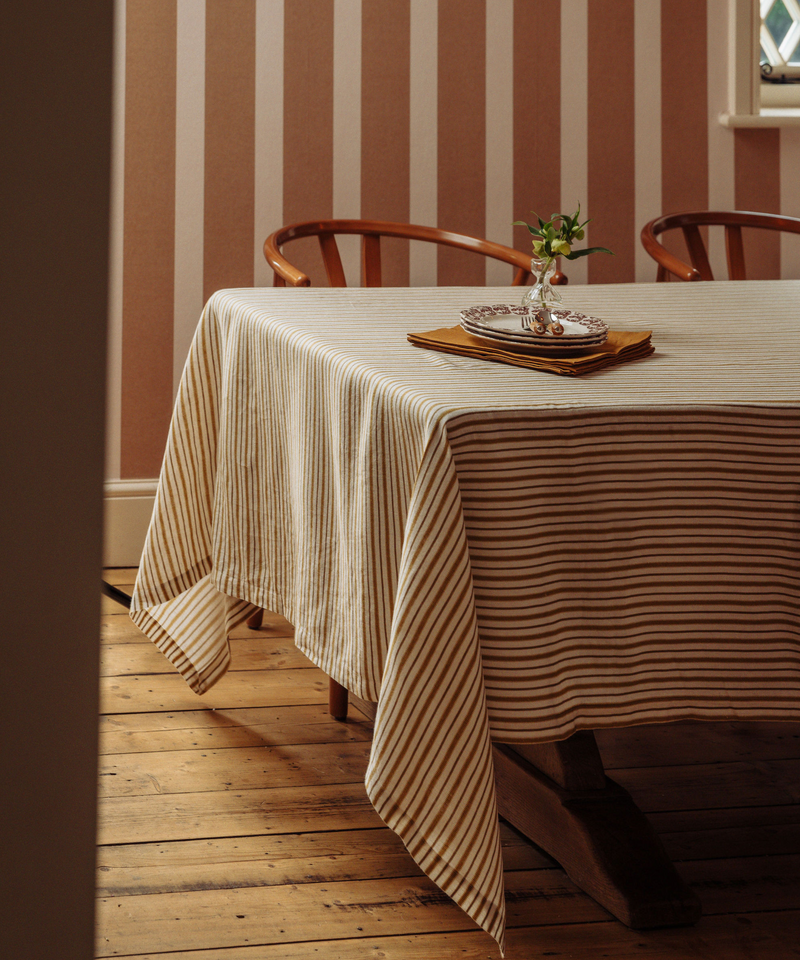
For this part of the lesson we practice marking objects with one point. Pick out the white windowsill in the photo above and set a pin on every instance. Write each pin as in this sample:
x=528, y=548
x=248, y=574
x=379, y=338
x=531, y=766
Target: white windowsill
x=784, y=117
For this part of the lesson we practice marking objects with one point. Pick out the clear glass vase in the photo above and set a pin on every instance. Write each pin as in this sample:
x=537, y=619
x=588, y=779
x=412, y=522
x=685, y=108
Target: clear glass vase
x=542, y=297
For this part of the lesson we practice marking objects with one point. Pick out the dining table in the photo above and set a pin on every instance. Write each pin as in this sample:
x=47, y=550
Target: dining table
x=500, y=559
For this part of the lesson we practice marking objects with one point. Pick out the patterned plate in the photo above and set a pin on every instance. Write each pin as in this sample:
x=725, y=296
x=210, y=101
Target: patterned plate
x=501, y=323
x=526, y=337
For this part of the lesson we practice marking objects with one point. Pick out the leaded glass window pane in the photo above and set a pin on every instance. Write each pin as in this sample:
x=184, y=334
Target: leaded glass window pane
x=778, y=21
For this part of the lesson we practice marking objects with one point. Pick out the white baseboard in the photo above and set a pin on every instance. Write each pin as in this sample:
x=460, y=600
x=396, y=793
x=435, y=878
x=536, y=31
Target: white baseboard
x=127, y=512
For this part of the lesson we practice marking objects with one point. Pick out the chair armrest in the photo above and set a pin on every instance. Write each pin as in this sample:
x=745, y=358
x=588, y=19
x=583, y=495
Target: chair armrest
x=667, y=260
x=281, y=266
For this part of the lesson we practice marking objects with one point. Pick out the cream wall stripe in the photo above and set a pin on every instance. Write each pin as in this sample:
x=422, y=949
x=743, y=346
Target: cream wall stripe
x=114, y=372
x=499, y=132
x=423, y=170
x=269, y=132
x=190, y=108
x=790, y=201
x=347, y=127
x=574, y=115
x=720, y=139
x=647, y=118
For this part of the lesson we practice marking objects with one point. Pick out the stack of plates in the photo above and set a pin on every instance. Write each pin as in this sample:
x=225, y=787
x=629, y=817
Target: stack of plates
x=502, y=325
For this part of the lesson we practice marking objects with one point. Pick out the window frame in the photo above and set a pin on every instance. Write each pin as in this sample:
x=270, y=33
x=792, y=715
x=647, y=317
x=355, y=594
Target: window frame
x=745, y=107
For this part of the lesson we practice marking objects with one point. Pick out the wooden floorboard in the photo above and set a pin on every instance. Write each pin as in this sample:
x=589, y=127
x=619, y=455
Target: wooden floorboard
x=250, y=653
x=239, y=688
x=259, y=861
x=234, y=768
x=758, y=937
x=245, y=727
x=235, y=826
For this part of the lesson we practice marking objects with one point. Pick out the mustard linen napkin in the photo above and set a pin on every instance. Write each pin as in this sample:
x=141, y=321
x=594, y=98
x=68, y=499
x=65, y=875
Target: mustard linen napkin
x=620, y=347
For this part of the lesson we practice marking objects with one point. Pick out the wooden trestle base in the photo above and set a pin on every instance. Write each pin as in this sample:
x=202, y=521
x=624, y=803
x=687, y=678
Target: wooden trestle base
x=558, y=795
x=600, y=838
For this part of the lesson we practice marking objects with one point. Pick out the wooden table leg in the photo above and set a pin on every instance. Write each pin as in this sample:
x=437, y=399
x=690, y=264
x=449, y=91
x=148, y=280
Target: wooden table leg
x=558, y=795
x=337, y=700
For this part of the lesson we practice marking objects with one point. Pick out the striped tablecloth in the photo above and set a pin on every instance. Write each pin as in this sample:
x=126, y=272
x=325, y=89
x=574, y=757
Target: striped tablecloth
x=488, y=552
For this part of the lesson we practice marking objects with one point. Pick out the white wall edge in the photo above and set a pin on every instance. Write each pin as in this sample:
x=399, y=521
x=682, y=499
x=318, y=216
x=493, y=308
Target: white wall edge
x=128, y=506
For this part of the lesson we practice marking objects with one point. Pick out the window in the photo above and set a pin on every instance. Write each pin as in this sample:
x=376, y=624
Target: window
x=764, y=32
x=779, y=51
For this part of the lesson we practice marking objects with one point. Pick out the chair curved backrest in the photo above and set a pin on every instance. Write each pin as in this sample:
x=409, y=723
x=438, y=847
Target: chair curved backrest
x=689, y=223
x=371, y=232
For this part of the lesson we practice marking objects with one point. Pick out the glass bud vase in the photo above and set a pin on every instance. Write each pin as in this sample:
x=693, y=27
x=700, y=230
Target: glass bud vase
x=542, y=296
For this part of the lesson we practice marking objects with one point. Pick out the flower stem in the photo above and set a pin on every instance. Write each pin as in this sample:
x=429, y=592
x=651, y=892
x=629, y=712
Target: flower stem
x=545, y=268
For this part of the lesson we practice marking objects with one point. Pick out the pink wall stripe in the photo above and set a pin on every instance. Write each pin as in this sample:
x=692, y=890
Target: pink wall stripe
x=462, y=134
x=230, y=144
x=611, y=146
x=537, y=114
x=308, y=125
x=385, y=124
x=684, y=114
x=189, y=178
x=647, y=122
x=757, y=187
x=149, y=235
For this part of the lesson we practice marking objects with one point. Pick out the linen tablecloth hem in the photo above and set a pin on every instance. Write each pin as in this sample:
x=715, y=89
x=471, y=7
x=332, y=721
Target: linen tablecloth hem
x=200, y=681
x=487, y=911
x=192, y=630
x=779, y=712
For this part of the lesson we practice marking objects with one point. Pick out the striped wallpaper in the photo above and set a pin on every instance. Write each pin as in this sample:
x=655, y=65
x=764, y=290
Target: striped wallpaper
x=236, y=116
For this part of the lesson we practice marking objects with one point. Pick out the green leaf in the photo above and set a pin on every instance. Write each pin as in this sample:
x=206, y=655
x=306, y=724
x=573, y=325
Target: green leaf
x=573, y=218
x=585, y=253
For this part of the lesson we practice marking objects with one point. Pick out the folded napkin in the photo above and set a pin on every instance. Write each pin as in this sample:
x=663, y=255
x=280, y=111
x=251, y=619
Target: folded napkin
x=620, y=347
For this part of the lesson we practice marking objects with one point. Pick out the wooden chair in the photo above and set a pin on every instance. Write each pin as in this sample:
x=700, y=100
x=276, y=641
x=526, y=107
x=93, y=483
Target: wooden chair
x=371, y=232
x=689, y=223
